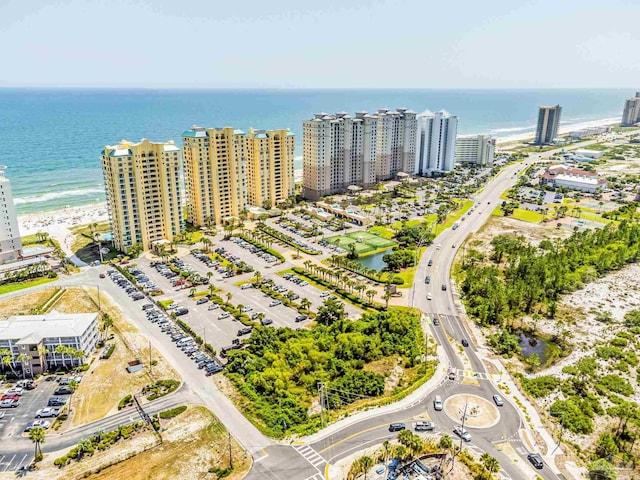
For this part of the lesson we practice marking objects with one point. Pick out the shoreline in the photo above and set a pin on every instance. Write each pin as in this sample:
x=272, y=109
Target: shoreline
x=58, y=222
x=519, y=137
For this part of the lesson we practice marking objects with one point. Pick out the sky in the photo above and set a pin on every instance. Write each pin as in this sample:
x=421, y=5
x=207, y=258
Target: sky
x=320, y=44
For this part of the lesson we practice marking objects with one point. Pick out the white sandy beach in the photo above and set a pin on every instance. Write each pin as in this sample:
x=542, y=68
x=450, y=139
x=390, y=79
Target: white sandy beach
x=57, y=223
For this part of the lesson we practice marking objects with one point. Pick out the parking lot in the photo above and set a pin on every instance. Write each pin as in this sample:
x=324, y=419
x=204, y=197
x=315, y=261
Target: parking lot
x=14, y=420
x=220, y=332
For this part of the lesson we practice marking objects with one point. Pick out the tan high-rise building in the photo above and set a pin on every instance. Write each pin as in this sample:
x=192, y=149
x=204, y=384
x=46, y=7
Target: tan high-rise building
x=215, y=173
x=270, y=176
x=226, y=170
x=142, y=182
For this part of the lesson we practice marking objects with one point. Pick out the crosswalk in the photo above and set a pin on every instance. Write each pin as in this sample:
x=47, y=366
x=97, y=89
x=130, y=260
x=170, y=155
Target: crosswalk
x=311, y=456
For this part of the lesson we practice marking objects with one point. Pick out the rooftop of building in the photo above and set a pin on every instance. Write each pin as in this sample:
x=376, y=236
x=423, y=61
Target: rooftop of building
x=54, y=324
x=125, y=147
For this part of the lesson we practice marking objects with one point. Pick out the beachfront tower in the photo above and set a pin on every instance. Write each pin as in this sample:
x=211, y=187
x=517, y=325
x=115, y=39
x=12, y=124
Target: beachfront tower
x=436, y=142
x=10, y=243
x=215, y=173
x=475, y=150
x=142, y=182
x=548, y=123
x=226, y=170
x=270, y=173
x=341, y=150
x=631, y=113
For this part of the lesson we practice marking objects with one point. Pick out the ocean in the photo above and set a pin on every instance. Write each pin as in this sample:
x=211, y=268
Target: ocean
x=50, y=139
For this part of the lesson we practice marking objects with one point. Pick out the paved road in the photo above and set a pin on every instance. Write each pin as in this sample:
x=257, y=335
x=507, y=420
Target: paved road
x=308, y=462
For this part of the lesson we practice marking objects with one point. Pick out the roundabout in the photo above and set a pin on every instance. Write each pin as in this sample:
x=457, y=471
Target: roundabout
x=479, y=412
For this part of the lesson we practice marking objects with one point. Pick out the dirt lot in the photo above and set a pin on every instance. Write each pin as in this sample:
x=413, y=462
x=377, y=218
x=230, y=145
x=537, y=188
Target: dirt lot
x=90, y=401
x=533, y=232
x=193, y=442
x=21, y=305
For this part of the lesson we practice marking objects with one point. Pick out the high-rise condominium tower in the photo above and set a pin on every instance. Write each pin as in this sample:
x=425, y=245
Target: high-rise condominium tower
x=631, y=113
x=215, y=173
x=10, y=243
x=270, y=176
x=475, y=150
x=226, y=170
x=340, y=150
x=548, y=123
x=142, y=182
x=436, y=142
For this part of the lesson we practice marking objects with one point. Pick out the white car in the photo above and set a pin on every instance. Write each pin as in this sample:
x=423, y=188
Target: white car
x=462, y=433
x=224, y=315
x=9, y=403
x=213, y=306
x=324, y=294
x=38, y=423
x=47, y=412
x=246, y=309
x=14, y=391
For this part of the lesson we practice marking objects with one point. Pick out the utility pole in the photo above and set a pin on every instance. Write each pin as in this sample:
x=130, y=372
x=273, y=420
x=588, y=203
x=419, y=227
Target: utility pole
x=230, y=456
x=150, y=364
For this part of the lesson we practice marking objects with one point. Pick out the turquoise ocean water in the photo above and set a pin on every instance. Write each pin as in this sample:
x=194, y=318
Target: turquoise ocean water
x=51, y=139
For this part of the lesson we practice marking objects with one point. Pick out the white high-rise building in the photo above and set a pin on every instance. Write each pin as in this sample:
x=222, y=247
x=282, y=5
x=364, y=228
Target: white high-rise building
x=10, y=243
x=436, y=142
x=475, y=150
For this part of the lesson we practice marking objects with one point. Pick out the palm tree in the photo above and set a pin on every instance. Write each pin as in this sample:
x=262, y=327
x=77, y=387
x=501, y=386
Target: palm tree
x=107, y=323
x=258, y=276
x=37, y=436
x=23, y=358
x=209, y=275
x=366, y=463
x=490, y=464
x=73, y=386
x=260, y=317
x=6, y=358
x=305, y=303
x=192, y=291
x=370, y=294
x=229, y=297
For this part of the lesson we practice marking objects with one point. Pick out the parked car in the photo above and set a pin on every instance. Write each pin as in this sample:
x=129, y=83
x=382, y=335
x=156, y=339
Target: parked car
x=202, y=300
x=9, y=403
x=37, y=423
x=213, y=306
x=266, y=321
x=63, y=391
x=57, y=401
x=301, y=318
x=47, y=412
x=244, y=331
x=275, y=303
x=224, y=315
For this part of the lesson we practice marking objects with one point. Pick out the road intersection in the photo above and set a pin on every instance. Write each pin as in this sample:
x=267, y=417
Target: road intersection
x=311, y=458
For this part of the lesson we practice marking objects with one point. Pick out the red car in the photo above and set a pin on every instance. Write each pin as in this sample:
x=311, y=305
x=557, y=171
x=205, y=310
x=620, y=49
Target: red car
x=102, y=275
x=12, y=396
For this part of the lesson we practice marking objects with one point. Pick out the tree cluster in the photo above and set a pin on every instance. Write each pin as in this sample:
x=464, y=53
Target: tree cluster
x=280, y=369
x=535, y=276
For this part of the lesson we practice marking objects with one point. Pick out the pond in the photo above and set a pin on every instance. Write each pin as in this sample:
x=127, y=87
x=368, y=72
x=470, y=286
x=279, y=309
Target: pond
x=373, y=261
x=532, y=344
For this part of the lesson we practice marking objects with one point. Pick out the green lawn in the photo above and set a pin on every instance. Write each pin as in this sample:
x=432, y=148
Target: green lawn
x=454, y=217
x=383, y=232
x=365, y=242
x=522, y=214
x=12, y=287
x=408, y=274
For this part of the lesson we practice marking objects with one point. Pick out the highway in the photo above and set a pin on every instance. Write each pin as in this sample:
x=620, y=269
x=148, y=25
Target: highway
x=310, y=460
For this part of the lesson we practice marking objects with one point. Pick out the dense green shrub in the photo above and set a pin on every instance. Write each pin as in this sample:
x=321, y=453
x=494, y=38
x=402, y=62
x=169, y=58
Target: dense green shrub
x=160, y=388
x=539, y=386
x=279, y=371
x=126, y=401
x=174, y=412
